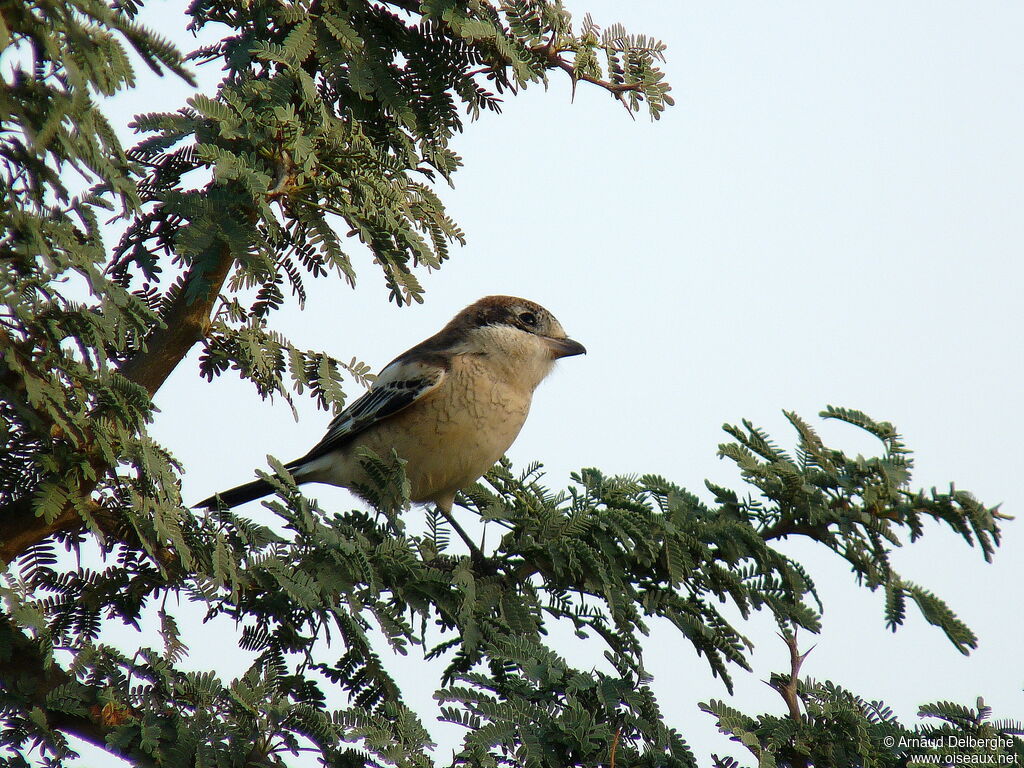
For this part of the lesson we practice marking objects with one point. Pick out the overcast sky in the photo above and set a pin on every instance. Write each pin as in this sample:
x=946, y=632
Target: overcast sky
x=830, y=215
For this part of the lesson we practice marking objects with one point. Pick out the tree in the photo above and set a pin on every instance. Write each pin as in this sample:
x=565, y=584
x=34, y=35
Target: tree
x=338, y=117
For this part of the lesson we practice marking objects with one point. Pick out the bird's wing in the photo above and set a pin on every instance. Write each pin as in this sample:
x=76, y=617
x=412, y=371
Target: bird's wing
x=398, y=386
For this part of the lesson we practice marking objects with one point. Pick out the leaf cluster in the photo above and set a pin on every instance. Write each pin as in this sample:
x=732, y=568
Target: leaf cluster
x=839, y=728
x=607, y=557
x=855, y=506
x=324, y=142
x=71, y=424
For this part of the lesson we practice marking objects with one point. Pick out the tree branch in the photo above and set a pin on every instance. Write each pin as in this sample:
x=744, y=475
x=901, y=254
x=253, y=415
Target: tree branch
x=787, y=526
x=186, y=322
x=789, y=690
x=474, y=550
x=25, y=662
x=548, y=53
x=617, y=89
x=21, y=529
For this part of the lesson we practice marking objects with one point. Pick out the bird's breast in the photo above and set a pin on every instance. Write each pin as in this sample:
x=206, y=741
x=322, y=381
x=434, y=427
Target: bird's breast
x=463, y=429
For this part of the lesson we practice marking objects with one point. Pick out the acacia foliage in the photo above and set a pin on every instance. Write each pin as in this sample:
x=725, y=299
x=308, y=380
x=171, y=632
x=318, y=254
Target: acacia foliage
x=842, y=729
x=335, y=119
x=327, y=133
x=608, y=556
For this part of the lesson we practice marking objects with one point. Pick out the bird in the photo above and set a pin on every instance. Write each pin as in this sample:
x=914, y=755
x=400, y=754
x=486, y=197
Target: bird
x=450, y=407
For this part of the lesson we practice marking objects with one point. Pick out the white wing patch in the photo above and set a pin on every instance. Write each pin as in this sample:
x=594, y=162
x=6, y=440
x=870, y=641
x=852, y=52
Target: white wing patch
x=397, y=387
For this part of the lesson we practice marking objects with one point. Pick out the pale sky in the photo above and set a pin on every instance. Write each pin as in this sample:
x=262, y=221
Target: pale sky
x=830, y=215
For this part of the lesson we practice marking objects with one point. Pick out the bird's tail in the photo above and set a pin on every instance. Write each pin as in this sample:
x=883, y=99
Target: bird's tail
x=238, y=495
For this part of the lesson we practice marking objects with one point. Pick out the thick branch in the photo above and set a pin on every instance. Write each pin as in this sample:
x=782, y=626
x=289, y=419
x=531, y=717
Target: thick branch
x=787, y=526
x=186, y=322
x=26, y=670
x=21, y=529
x=19, y=526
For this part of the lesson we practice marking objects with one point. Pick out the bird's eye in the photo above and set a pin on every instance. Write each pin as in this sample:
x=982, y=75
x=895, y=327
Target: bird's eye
x=528, y=318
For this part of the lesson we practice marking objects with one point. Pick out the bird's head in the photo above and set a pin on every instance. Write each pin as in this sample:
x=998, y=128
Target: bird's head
x=512, y=317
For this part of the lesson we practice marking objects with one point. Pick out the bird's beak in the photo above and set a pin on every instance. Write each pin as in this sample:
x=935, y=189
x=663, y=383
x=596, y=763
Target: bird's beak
x=565, y=347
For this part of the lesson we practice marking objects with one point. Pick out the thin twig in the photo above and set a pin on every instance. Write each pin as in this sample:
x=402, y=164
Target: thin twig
x=474, y=550
x=789, y=692
x=796, y=660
